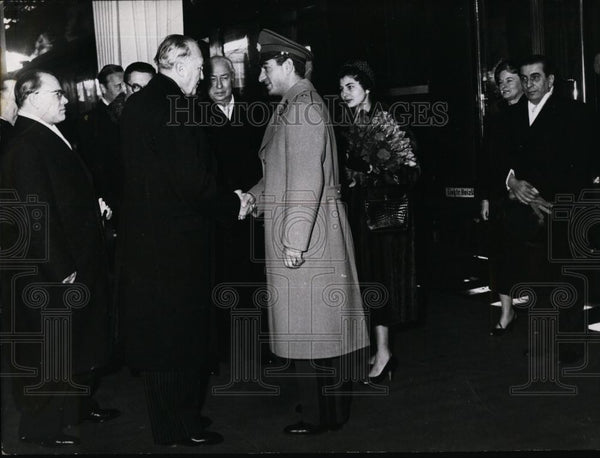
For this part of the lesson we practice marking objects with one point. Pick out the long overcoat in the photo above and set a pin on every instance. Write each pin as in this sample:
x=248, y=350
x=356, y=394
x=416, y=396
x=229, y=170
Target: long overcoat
x=55, y=229
x=315, y=311
x=170, y=198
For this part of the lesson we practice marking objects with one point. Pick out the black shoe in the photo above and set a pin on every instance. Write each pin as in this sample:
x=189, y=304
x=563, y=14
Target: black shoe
x=204, y=438
x=388, y=370
x=101, y=415
x=304, y=429
x=60, y=440
x=500, y=331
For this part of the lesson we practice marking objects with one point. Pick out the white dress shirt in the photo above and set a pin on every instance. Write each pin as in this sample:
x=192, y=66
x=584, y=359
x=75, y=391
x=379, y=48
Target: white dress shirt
x=52, y=127
x=227, y=109
x=534, y=110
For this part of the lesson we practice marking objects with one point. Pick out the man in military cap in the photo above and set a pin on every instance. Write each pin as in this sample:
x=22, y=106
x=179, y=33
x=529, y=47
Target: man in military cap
x=315, y=310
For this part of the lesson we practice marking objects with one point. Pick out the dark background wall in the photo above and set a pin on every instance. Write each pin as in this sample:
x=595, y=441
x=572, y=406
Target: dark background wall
x=432, y=44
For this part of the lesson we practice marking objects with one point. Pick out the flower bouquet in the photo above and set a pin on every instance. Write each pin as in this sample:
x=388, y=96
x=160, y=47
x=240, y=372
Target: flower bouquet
x=380, y=142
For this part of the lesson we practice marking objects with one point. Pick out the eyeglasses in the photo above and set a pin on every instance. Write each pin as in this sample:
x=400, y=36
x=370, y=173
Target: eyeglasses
x=59, y=93
x=134, y=87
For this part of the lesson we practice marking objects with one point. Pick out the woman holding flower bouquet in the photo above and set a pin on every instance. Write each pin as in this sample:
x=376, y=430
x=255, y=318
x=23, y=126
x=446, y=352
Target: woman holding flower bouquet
x=381, y=170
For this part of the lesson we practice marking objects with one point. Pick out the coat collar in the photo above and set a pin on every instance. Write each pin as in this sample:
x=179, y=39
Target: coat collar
x=301, y=86
x=166, y=84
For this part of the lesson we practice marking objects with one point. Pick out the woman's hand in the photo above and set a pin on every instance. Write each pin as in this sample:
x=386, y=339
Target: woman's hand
x=485, y=209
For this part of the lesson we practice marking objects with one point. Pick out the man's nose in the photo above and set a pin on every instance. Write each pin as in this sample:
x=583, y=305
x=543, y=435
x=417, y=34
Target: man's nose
x=219, y=83
x=262, y=75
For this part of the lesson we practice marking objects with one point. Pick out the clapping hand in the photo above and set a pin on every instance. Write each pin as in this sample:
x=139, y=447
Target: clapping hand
x=292, y=258
x=247, y=203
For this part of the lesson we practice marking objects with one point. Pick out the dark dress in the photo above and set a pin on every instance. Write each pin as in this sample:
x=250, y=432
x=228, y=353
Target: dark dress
x=493, y=188
x=384, y=258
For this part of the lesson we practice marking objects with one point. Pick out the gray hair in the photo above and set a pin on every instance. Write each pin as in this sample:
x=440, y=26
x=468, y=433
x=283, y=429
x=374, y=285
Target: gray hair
x=172, y=49
x=224, y=60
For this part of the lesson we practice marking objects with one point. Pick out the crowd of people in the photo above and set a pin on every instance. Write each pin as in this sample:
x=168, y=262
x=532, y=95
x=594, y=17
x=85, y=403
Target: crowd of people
x=150, y=211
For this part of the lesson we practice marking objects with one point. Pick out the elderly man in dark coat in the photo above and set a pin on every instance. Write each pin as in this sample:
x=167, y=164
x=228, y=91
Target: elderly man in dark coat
x=64, y=245
x=316, y=315
x=170, y=195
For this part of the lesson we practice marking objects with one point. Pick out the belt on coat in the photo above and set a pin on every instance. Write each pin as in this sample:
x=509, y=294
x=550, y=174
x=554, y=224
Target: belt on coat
x=333, y=192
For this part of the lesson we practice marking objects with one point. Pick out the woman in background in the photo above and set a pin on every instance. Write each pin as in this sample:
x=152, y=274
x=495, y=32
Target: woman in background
x=493, y=190
x=380, y=163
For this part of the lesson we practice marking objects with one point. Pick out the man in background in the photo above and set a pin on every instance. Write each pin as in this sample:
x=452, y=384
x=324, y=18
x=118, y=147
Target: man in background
x=551, y=152
x=239, y=247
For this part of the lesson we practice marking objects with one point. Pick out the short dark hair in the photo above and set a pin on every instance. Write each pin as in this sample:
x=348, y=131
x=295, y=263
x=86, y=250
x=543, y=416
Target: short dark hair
x=27, y=83
x=299, y=64
x=108, y=70
x=505, y=65
x=142, y=67
x=547, y=66
x=360, y=71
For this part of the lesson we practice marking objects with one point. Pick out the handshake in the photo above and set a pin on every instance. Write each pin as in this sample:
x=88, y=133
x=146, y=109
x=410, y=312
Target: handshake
x=247, y=204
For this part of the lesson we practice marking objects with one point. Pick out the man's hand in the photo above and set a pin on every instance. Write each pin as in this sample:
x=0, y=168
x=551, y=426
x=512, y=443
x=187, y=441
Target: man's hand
x=292, y=258
x=105, y=210
x=485, y=209
x=541, y=206
x=523, y=191
x=247, y=203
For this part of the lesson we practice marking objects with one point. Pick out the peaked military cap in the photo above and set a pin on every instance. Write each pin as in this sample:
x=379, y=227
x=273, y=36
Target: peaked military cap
x=271, y=44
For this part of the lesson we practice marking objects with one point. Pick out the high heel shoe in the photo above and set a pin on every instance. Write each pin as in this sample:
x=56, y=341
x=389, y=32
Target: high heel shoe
x=500, y=331
x=388, y=370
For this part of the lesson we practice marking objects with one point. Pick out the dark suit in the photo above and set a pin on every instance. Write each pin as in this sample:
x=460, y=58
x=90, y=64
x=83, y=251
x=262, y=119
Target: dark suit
x=554, y=154
x=5, y=129
x=99, y=147
x=36, y=162
x=239, y=247
x=169, y=195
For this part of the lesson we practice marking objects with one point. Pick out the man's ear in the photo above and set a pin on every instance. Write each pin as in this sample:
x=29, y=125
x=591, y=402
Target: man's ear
x=551, y=80
x=179, y=68
x=103, y=89
x=288, y=65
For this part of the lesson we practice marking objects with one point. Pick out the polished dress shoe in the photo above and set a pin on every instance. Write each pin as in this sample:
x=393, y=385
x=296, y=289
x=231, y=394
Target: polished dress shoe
x=304, y=429
x=203, y=438
x=101, y=415
x=60, y=440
